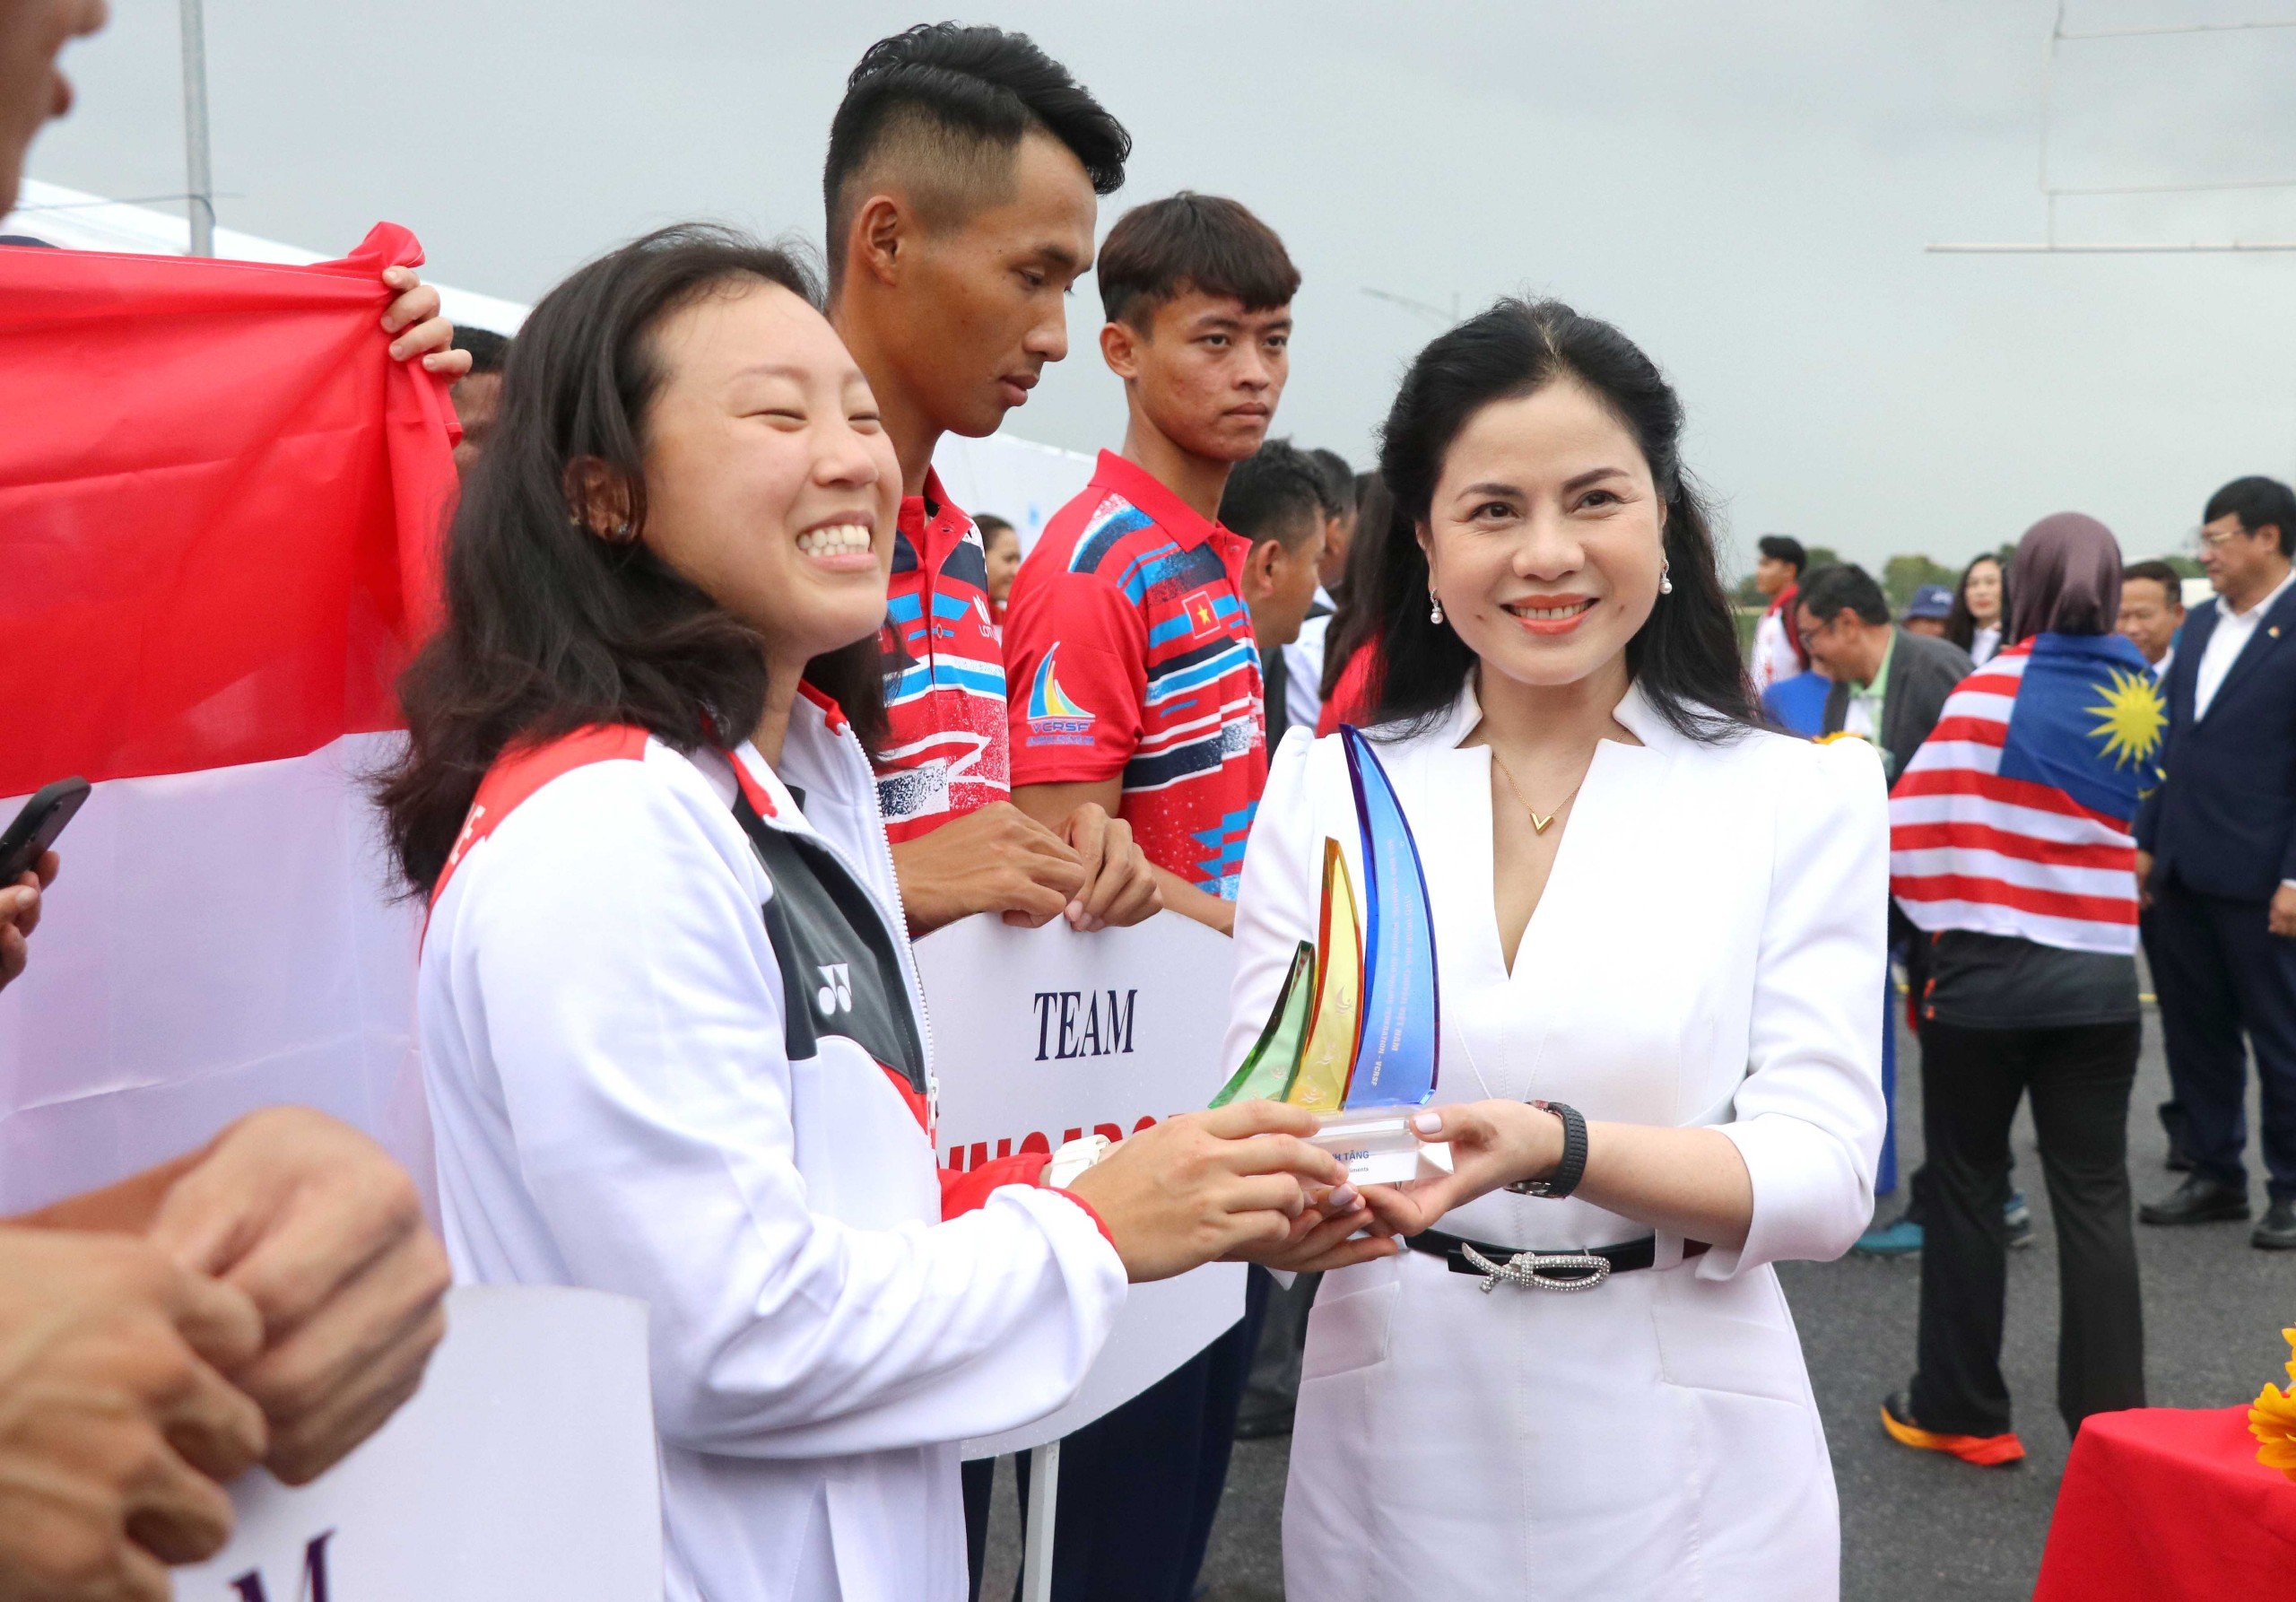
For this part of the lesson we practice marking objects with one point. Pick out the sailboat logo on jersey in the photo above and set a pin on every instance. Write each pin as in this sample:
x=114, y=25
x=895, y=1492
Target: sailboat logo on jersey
x=1055, y=719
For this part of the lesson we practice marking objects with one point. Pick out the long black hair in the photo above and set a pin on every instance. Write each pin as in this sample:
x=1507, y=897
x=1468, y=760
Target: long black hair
x=1961, y=622
x=1355, y=621
x=550, y=626
x=1686, y=657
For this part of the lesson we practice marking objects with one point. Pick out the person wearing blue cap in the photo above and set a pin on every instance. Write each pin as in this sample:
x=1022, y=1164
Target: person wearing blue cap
x=1927, y=612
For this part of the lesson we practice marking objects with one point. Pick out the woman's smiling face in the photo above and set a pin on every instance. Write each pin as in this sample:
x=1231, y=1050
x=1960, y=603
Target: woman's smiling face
x=770, y=484
x=1543, y=536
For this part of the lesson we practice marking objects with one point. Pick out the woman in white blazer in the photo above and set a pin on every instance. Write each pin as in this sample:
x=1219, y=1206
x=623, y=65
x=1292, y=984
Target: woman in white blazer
x=670, y=1022
x=1649, y=914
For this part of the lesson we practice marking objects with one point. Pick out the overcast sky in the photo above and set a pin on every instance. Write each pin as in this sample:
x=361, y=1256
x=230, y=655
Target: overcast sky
x=1746, y=190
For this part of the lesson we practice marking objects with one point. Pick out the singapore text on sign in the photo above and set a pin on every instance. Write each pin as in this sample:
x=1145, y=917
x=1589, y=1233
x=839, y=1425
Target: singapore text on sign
x=1043, y=1035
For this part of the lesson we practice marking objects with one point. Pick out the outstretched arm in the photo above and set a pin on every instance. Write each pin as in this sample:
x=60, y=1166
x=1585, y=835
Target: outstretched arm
x=1689, y=1183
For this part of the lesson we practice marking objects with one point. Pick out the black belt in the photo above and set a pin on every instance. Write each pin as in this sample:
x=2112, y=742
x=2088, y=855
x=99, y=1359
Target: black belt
x=1579, y=1270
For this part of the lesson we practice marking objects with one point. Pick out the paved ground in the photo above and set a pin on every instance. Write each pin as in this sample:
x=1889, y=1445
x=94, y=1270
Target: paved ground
x=1915, y=1527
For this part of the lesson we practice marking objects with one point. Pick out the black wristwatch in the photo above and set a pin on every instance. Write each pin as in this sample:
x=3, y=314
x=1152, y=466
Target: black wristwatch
x=1568, y=1172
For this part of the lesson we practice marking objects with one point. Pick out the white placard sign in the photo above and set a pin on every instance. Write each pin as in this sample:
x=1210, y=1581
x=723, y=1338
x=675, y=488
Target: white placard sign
x=1042, y=1035
x=524, y=1468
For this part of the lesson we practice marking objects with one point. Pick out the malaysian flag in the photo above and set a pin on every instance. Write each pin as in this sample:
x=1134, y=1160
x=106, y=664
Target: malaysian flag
x=2013, y=816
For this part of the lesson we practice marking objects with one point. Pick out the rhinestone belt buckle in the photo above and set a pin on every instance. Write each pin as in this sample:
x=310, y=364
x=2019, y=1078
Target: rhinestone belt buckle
x=1534, y=1270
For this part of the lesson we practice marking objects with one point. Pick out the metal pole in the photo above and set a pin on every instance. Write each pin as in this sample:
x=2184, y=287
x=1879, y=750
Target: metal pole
x=200, y=200
x=2218, y=247
x=1036, y=1554
x=2049, y=99
x=2174, y=28
x=1421, y=306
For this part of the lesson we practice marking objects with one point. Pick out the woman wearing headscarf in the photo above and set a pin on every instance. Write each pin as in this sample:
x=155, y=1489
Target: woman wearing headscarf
x=2010, y=849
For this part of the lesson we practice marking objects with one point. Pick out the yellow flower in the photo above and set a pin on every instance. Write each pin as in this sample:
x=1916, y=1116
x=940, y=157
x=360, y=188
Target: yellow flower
x=2272, y=1419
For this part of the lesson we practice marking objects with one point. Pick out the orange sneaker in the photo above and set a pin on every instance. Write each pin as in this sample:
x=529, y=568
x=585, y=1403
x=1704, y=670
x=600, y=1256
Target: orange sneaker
x=1987, y=1452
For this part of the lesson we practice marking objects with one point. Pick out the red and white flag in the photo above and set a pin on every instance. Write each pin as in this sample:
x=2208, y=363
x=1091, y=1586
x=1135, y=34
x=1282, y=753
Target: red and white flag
x=220, y=507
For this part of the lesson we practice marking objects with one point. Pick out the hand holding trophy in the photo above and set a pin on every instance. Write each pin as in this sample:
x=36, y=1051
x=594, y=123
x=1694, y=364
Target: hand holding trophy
x=1354, y=1036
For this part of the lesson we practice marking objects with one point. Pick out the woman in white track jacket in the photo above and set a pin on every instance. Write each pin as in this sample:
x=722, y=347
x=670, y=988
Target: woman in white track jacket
x=670, y=1024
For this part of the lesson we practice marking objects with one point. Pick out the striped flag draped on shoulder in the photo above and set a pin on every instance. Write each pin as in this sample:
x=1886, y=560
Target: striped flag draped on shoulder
x=2013, y=818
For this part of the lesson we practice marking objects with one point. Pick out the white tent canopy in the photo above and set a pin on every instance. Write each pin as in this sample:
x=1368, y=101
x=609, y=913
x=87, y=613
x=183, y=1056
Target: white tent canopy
x=77, y=221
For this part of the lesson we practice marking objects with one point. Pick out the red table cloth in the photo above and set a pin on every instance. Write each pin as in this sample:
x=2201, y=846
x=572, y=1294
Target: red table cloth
x=2164, y=1503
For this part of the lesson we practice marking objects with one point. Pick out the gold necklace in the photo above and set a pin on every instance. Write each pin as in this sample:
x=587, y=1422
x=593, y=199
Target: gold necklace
x=1538, y=824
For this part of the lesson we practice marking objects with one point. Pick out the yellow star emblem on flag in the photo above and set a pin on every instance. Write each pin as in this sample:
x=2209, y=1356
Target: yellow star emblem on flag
x=2133, y=718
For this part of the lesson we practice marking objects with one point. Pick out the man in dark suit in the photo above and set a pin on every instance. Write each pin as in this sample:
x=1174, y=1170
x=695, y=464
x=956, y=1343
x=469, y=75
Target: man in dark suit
x=1888, y=686
x=2217, y=856
x=2151, y=611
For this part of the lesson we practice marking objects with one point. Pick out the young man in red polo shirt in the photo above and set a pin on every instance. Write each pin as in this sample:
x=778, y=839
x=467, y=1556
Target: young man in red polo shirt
x=1133, y=677
x=961, y=183
x=1135, y=685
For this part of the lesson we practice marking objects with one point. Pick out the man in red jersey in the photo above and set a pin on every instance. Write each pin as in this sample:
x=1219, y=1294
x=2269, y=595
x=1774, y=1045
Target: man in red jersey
x=961, y=181
x=1135, y=685
x=1135, y=677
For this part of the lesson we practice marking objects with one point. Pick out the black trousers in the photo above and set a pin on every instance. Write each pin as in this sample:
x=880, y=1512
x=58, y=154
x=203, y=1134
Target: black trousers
x=2171, y=1111
x=1272, y=1386
x=2221, y=971
x=2079, y=1078
x=978, y=1478
x=1140, y=1487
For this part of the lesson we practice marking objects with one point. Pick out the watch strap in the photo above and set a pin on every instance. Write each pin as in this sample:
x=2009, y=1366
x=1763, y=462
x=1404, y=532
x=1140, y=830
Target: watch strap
x=1073, y=1158
x=1572, y=1168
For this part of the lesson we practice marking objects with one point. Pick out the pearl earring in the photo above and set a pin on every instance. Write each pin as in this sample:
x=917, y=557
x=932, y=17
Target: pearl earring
x=1665, y=578
x=1434, y=607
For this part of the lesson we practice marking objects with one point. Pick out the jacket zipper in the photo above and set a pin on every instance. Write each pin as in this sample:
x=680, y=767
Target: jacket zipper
x=908, y=946
x=898, y=928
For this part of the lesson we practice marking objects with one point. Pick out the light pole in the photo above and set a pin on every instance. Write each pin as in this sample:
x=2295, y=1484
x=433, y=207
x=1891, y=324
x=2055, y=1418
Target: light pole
x=200, y=201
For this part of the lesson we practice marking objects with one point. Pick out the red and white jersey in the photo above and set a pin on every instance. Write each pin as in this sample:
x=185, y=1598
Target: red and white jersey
x=1777, y=654
x=655, y=1069
x=944, y=663
x=1132, y=658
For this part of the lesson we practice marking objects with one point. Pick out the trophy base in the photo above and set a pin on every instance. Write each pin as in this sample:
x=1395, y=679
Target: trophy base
x=1379, y=1147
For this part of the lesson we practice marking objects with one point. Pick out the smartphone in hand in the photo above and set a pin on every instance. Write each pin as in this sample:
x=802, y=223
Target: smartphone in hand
x=37, y=826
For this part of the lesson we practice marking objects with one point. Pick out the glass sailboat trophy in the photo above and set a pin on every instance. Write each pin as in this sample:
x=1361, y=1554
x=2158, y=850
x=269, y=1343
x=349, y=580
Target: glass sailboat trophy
x=1353, y=1036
